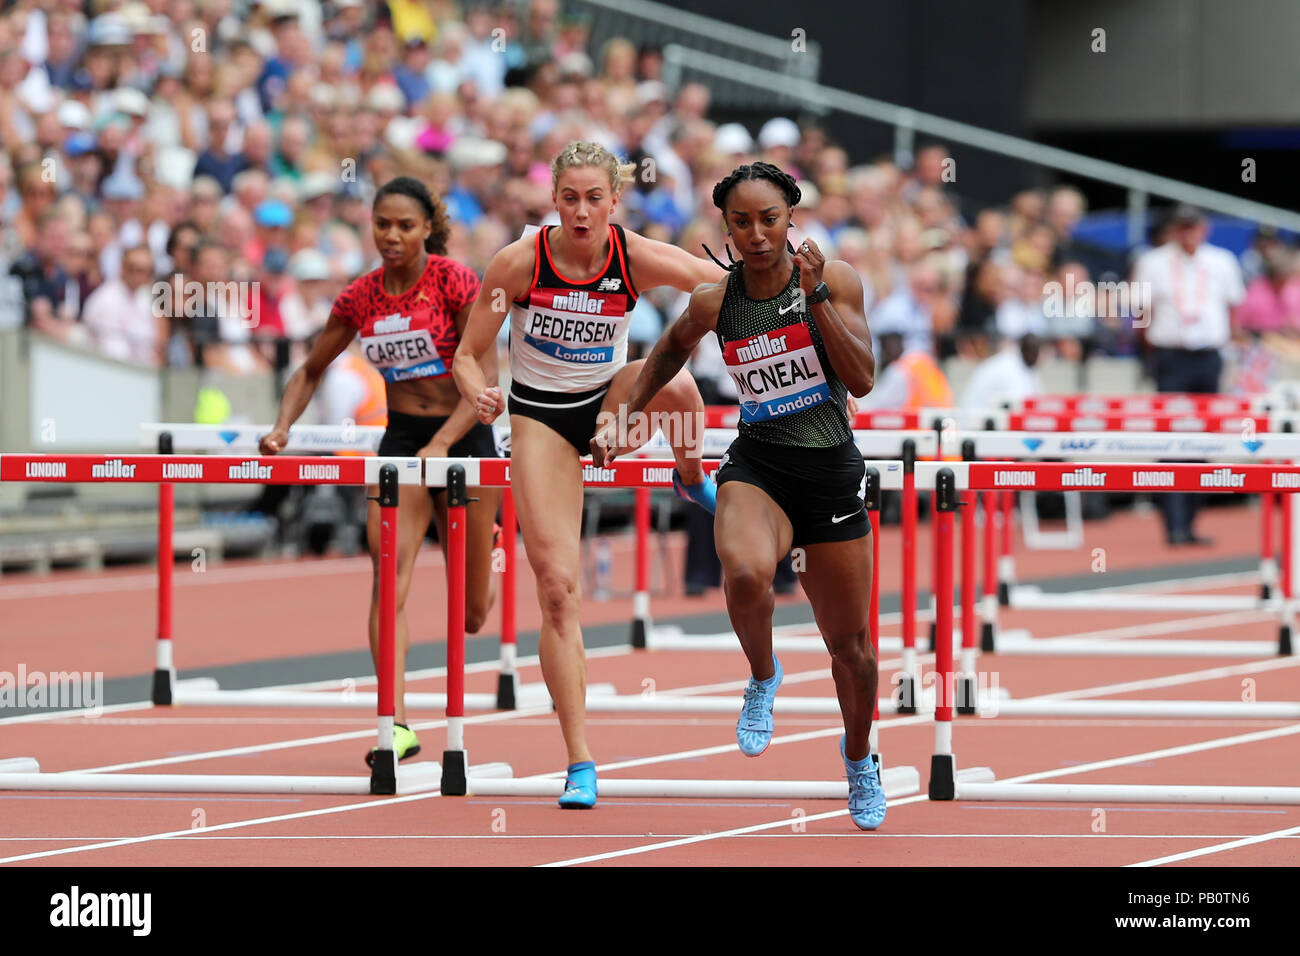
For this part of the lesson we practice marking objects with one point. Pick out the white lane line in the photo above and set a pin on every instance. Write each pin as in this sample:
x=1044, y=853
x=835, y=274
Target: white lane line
x=1178, y=626
x=1181, y=751
x=430, y=556
x=1221, y=848
x=368, y=733
x=1065, y=772
x=171, y=834
x=314, y=741
x=1191, y=677
x=784, y=822
x=200, y=836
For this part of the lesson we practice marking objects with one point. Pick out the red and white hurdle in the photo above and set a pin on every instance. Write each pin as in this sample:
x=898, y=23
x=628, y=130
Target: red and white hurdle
x=457, y=473
x=388, y=473
x=945, y=782
x=318, y=439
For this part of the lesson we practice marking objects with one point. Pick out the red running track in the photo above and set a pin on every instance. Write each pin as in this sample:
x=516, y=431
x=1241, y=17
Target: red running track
x=159, y=829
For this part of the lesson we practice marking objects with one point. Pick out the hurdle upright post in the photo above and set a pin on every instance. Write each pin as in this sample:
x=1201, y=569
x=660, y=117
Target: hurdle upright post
x=641, y=599
x=508, y=678
x=383, y=767
x=943, y=764
x=164, y=675
x=871, y=498
x=907, y=672
x=1267, y=561
x=455, y=761
x=966, y=686
x=937, y=425
x=1287, y=541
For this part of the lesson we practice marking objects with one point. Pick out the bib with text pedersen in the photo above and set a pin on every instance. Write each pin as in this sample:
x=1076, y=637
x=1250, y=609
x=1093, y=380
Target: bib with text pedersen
x=776, y=373
x=574, y=325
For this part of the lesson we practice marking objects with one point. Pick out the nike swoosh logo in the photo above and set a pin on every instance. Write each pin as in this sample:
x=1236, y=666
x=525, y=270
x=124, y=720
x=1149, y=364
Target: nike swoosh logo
x=838, y=519
x=787, y=308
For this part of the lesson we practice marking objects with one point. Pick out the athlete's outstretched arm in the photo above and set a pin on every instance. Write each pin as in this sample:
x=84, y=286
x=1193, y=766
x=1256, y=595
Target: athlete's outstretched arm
x=653, y=263
x=475, y=377
x=334, y=338
x=666, y=359
x=839, y=318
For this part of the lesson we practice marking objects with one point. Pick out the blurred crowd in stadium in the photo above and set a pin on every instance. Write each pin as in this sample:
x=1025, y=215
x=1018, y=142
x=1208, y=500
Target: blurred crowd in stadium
x=208, y=141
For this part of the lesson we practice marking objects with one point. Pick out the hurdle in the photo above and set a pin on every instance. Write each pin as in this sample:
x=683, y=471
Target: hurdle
x=945, y=782
x=455, y=475
x=170, y=437
x=968, y=477
x=386, y=777
x=1153, y=448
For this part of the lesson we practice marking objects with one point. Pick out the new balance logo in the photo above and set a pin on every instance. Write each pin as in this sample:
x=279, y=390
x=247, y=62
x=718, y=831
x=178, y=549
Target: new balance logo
x=609, y=285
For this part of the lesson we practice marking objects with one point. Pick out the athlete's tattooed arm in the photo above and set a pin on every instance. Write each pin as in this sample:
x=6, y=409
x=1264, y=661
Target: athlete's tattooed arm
x=675, y=346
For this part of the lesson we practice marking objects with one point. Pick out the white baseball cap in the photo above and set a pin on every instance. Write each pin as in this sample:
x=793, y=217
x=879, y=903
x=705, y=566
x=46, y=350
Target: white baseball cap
x=778, y=131
x=732, y=138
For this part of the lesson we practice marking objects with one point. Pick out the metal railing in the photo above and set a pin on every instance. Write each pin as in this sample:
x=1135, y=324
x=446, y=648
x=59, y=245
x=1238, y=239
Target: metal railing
x=647, y=23
x=686, y=64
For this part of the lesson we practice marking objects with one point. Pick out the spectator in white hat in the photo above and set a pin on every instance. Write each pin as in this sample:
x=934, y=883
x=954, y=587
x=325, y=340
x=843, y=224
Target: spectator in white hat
x=734, y=142
x=777, y=141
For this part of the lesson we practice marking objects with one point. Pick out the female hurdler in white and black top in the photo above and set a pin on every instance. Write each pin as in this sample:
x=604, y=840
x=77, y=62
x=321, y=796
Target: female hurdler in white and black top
x=568, y=291
x=793, y=344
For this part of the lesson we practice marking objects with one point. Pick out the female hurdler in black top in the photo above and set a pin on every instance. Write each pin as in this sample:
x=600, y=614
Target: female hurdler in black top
x=795, y=341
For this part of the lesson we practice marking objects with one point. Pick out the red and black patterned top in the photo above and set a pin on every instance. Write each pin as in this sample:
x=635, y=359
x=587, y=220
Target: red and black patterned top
x=412, y=335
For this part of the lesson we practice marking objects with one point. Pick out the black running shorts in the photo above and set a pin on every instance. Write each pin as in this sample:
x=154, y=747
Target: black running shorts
x=407, y=434
x=819, y=489
x=571, y=414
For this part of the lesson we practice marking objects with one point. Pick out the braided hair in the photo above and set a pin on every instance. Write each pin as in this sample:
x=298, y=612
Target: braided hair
x=434, y=210
x=746, y=173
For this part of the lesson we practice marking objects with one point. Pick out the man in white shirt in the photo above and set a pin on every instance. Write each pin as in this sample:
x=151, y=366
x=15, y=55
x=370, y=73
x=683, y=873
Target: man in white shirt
x=1192, y=288
x=908, y=311
x=1007, y=376
x=120, y=314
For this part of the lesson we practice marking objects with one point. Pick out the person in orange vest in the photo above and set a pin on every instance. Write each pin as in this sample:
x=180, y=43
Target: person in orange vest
x=907, y=379
x=353, y=390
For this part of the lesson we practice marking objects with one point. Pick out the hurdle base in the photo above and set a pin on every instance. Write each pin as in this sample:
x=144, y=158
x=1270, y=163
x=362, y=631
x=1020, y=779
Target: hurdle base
x=383, y=773
x=507, y=691
x=943, y=777
x=988, y=638
x=455, y=777
x=1284, y=645
x=929, y=648
x=1004, y=594
x=163, y=679
x=640, y=630
x=1265, y=592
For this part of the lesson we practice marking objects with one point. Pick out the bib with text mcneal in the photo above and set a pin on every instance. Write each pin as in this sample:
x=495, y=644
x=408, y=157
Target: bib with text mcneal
x=788, y=392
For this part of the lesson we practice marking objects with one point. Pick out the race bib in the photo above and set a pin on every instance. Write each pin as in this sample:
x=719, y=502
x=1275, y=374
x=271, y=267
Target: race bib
x=777, y=373
x=574, y=326
x=400, y=352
